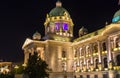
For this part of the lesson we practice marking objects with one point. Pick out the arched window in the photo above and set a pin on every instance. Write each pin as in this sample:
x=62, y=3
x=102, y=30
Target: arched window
x=95, y=48
x=88, y=50
x=118, y=60
x=63, y=54
x=75, y=53
x=65, y=26
x=64, y=66
x=81, y=64
x=82, y=52
x=117, y=42
x=88, y=63
x=104, y=46
x=96, y=63
x=105, y=63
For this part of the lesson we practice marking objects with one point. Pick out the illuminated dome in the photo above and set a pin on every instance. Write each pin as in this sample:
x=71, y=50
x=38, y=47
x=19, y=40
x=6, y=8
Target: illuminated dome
x=58, y=10
x=36, y=36
x=83, y=31
x=116, y=16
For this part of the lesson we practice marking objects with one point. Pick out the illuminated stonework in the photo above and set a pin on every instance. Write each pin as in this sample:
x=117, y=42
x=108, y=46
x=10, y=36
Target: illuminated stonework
x=95, y=54
x=5, y=67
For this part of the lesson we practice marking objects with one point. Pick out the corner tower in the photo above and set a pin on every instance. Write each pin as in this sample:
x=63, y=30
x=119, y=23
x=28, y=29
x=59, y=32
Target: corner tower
x=58, y=24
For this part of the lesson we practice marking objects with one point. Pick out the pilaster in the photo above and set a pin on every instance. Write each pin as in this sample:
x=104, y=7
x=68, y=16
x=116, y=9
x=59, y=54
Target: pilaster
x=109, y=55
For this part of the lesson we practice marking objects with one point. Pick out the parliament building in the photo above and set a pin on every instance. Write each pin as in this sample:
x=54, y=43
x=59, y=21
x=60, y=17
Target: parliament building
x=91, y=55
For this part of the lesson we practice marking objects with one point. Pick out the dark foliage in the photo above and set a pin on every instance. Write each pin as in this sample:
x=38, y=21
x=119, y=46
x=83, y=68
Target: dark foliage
x=9, y=75
x=36, y=67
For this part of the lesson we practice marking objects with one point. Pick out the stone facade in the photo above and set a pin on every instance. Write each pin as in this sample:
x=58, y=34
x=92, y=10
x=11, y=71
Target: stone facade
x=91, y=55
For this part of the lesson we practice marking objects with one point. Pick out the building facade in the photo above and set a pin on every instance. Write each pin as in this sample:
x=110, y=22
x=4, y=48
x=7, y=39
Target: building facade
x=91, y=55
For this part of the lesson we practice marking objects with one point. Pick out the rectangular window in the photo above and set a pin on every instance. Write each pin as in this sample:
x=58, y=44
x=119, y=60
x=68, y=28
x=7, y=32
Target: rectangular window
x=95, y=76
x=88, y=76
x=81, y=76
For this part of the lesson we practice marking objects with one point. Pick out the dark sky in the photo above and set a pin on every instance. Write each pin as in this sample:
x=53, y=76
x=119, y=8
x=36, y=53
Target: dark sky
x=19, y=19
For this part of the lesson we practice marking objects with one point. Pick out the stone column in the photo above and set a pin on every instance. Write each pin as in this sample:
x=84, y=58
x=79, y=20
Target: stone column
x=46, y=52
x=26, y=56
x=112, y=74
x=84, y=66
x=109, y=55
x=91, y=53
x=99, y=51
x=84, y=55
x=70, y=59
x=59, y=58
x=99, y=55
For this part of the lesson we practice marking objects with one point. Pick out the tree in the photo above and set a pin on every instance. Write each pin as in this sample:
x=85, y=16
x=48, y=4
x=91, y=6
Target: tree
x=8, y=75
x=36, y=67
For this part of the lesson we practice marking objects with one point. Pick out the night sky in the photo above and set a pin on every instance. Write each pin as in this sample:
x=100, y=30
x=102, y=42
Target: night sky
x=20, y=19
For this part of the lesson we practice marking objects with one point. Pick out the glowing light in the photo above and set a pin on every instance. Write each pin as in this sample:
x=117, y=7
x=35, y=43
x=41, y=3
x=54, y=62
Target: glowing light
x=65, y=26
x=115, y=49
x=75, y=58
x=89, y=70
x=119, y=48
x=94, y=54
x=64, y=34
x=57, y=26
x=63, y=18
x=65, y=58
x=60, y=33
x=57, y=33
x=89, y=55
x=24, y=65
x=114, y=67
x=106, y=69
x=71, y=35
x=105, y=51
x=67, y=34
x=96, y=69
x=86, y=55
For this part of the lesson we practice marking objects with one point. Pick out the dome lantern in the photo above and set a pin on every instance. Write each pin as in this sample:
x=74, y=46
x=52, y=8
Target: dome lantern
x=58, y=3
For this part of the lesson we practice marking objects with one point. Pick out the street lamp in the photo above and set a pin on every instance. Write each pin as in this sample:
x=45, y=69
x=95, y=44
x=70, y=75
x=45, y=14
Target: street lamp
x=24, y=65
x=16, y=68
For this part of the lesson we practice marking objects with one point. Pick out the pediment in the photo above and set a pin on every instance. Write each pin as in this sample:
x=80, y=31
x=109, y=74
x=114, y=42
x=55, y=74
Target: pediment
x=27, y=41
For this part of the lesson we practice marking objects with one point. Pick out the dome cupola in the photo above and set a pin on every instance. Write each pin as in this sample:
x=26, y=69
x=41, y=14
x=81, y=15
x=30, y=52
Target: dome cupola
x=36, y=36
x=58, y=10
x=116, y=16
x=58, y=23
x=82, y=31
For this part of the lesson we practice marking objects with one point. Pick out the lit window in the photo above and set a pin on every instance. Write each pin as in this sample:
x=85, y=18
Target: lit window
x=65, y=26
x=57, y=25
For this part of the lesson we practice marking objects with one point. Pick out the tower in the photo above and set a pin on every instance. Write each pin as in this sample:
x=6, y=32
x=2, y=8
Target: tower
x=58, y=24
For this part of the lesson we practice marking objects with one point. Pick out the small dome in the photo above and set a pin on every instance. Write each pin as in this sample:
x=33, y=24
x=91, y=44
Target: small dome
x=117, y=13
x=36, y=36
x=83, y=31
x=58, y=10
x=116, y=16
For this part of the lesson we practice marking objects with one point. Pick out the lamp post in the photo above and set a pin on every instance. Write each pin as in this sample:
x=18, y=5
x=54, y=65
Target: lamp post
x=24, y=65
x=16, y=68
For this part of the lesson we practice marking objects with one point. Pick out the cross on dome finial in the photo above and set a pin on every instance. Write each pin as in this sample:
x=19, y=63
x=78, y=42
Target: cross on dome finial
x=58, y=3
